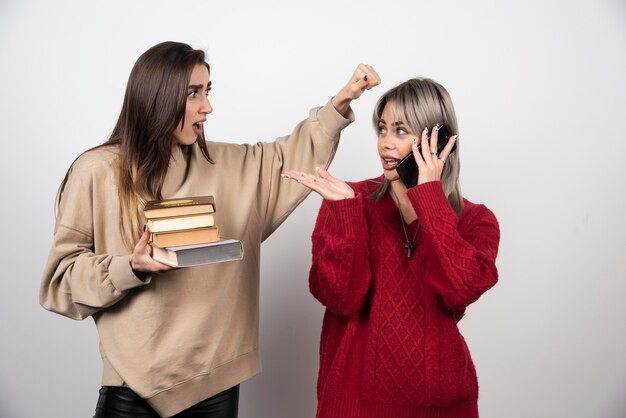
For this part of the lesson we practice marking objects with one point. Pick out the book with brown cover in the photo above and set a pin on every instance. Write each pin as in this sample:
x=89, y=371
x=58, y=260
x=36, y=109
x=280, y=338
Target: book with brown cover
x=180, y=223
x=193, y=255
x=181, y=206
x=185, y=237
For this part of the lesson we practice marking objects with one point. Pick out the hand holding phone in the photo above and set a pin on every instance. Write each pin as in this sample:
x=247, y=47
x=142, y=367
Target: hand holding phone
x=407, y=168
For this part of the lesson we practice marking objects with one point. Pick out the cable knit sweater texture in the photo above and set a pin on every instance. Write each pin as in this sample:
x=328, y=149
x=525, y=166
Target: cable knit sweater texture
x=390, y=344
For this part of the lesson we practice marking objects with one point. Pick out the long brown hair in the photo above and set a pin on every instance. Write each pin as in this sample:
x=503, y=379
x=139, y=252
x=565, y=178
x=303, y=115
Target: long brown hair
x=421, y=103
x=154, y=105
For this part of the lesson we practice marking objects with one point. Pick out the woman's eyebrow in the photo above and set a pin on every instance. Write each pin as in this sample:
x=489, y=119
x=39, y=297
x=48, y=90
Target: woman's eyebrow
x=198, y=86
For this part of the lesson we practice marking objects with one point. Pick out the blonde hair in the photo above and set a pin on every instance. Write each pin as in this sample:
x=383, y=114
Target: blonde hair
x=422, y=103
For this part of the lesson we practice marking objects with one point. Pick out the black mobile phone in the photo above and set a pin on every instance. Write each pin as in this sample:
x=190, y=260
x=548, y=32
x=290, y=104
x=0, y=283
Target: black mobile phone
x=407, y=167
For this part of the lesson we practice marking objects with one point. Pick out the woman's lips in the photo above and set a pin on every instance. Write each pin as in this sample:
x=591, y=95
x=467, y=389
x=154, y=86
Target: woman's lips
x=389, y=163
x=198, y=128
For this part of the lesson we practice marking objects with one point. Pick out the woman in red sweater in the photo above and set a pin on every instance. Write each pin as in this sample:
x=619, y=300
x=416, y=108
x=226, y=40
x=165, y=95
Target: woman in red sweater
x=396, y=267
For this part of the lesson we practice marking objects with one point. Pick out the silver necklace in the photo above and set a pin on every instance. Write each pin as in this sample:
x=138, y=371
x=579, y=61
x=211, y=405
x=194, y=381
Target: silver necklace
x=410, y=244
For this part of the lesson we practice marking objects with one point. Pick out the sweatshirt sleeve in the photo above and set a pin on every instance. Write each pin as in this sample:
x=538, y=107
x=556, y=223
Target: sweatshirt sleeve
x=340, y=275
x=77, y=281
x=311, y=144
x=462, y=251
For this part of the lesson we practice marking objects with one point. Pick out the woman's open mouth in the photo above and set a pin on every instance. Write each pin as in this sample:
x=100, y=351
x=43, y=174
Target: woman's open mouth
x=198, y=128
x=389, y=163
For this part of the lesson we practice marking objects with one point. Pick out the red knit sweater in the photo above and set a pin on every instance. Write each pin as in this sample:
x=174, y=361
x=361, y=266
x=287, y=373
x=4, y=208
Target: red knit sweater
x=390, y=345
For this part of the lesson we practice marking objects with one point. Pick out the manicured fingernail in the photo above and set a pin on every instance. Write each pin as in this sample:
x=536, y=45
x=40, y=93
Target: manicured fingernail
x=414, y=142
x=365, y=78
x=455, y=137
x=426, y=131
x=436, y=127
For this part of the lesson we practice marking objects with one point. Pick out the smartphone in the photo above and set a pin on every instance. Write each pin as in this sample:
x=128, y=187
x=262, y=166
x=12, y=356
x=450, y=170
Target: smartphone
x=407, y=167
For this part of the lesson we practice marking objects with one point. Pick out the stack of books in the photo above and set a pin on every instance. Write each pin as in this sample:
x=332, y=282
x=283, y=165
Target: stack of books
x=183, y=233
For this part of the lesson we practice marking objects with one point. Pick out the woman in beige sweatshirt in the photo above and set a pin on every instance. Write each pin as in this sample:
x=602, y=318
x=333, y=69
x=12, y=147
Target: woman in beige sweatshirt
x=177, y=341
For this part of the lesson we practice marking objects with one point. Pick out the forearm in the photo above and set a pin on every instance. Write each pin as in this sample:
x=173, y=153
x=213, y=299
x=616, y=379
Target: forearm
x=462, y=252
x=311, y=144
x=77, y=283
x=340, y=275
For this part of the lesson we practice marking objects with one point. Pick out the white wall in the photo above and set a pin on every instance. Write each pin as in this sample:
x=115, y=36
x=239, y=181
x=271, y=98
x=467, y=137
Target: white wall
x=540, y=94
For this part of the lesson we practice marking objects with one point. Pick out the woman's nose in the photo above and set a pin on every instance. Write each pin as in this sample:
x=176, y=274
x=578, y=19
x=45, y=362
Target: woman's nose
x=387, y=141
x=206, y=107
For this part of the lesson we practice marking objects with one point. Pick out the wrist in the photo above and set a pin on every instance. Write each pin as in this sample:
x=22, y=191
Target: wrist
x=141, y=275
x=341, y=102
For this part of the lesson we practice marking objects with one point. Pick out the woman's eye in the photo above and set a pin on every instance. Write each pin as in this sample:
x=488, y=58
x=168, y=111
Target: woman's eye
x=382, y=130
x=192, y=94
x=402, y=131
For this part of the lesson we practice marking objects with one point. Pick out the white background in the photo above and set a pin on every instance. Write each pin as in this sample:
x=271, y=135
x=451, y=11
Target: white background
x=540, y=95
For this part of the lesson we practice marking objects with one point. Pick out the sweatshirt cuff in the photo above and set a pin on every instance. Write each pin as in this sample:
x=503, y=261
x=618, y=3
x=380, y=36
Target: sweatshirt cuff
x=430, y=201
x=122, y=276
x=332, y=121
x=345, y=212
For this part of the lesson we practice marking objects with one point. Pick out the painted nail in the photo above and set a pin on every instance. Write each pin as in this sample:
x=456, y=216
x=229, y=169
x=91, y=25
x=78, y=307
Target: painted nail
x=436, y=127
x=414, y=142
x=426, y=131
x=365, y=78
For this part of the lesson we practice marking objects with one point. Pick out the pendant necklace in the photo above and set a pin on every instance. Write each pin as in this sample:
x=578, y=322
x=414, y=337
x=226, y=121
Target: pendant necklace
x=410, y=244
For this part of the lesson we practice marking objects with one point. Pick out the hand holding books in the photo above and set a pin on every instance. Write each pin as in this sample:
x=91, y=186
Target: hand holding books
x=142, y=261
x=183, y=233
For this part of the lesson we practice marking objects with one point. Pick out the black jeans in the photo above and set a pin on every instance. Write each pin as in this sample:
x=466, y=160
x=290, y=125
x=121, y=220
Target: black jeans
x=122, y=402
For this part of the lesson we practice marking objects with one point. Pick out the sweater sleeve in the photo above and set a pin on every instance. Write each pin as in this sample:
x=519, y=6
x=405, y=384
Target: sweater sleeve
x=311, y=144
x=77, y=282
x=340, y=275
x=464, y=249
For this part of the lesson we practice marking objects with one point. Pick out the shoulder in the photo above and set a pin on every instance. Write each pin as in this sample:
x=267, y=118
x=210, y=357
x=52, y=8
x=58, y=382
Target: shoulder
x=366, y=187
x=93, y=169
x=224, y=150
x=476, y=212
x=91, y=181
x=96, y=160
